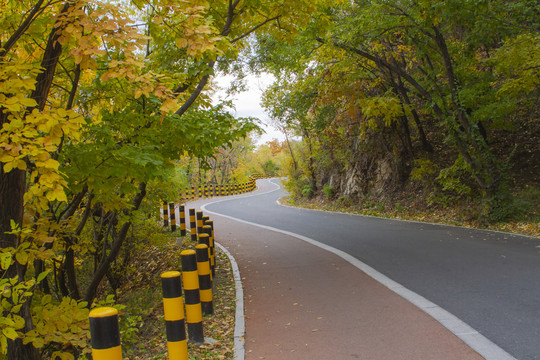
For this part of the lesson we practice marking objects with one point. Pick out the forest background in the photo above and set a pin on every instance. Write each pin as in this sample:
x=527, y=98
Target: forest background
x=105, y=112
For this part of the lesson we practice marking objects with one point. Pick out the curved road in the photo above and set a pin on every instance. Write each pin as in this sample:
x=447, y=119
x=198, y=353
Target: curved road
x=489, y=280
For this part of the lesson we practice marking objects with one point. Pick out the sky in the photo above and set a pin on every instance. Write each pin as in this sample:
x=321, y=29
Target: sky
x=247, y=103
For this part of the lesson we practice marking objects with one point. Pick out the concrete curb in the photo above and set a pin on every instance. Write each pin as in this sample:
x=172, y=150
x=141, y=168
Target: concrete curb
x=239, y=321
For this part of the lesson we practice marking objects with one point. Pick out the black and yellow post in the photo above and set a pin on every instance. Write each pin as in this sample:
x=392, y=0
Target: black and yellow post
x=105, y=334
x=190, y=277
x=172, y=216
x=199, y=222
x=187, y=194
x=173, y=307
x=205, y=279
x=207, y=229
x=205, y=219
x=204, y=239
x=200, y=192
x=192, y=225
x=165, y=214
x=193, y=192
x=183, y=219
x=205, y=190
x=182, y=213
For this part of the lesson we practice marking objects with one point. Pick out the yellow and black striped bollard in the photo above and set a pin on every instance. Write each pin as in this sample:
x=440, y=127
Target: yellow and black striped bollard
x=192, y=225
x=173, y=307
x=207, y=229
x=190, y=277
x=172, y=216
x=204, y=239
x=205, y=279
x=199, y=222
x=182, y=212
x=165, y=214
x=105, y=334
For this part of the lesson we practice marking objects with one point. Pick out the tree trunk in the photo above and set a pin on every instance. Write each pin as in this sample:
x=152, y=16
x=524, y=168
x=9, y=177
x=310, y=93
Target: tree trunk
x=12, y=189
x=291, y=151
x=104, y=265
x=471, y=144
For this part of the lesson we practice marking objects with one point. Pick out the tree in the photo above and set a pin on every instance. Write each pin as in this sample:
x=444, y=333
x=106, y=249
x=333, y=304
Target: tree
x=386, y=71
x=94, y=109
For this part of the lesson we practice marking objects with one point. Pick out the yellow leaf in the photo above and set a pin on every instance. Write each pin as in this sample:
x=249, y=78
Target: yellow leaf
x=181, y=43
x=5, y=157
x=28, y=102
x=51, y=164
x=169, y=105
x=10, y=333
x=21, y=164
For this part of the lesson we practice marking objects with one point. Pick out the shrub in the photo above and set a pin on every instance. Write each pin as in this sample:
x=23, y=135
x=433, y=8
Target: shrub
x=329, y=191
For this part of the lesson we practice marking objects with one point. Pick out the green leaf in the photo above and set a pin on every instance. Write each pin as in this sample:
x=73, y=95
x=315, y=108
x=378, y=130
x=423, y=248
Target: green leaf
x=42, y=276
x=22, y=257
x=5, y=260
x=10, y=333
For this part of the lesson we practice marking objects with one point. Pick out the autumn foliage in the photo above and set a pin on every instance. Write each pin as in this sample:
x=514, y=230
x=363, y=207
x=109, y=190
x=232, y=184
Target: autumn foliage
x=99, y=101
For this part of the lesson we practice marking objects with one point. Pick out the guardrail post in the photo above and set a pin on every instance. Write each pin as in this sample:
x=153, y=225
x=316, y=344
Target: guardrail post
x=199, y=222
x=165, y=214
x=172, y=216
x=190, y=277
x=182, y=212
x=192, y=225
x=207, y=229
x=204, y=239
x=205, y=279
x=173, y=307
x=105, y=334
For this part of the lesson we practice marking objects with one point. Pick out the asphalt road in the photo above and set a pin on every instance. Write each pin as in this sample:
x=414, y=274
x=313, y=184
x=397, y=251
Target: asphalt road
x=489, y=280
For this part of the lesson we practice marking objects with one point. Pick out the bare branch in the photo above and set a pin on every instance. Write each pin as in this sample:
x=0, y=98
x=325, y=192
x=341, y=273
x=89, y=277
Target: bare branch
x=255, y=28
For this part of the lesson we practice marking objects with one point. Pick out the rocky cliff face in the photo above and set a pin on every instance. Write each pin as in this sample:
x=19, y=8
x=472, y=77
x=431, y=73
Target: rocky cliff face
x=369, y=170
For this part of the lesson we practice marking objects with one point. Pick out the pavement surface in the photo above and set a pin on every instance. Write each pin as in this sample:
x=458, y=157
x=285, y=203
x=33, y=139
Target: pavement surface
x=304, y=302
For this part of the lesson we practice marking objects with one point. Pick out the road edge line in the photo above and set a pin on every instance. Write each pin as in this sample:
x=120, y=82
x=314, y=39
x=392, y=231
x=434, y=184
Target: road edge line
x=478, y=342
